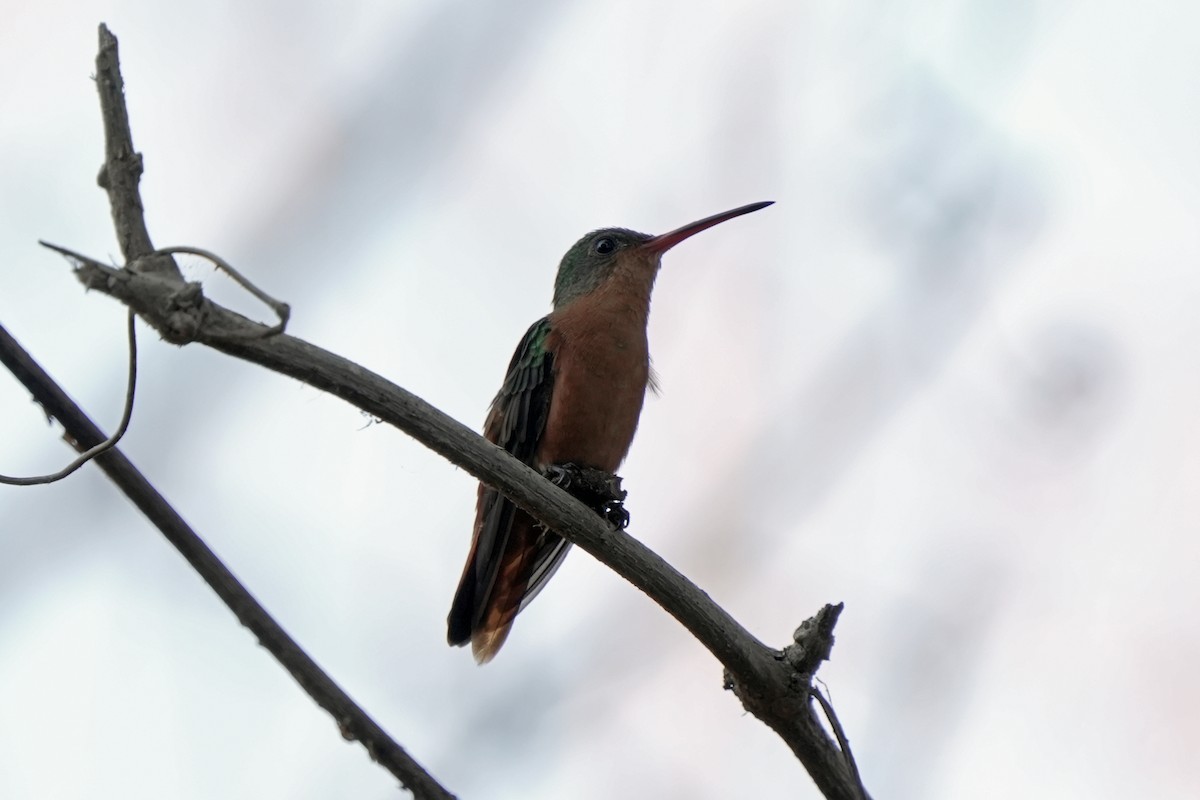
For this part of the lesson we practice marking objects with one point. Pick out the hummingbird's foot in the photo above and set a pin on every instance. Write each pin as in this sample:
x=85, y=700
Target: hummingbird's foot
x=601, y=491
x=561, y=475
x=614, y=514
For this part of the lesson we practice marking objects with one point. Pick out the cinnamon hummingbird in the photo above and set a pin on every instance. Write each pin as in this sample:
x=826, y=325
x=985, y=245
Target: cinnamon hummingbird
x=573, y=394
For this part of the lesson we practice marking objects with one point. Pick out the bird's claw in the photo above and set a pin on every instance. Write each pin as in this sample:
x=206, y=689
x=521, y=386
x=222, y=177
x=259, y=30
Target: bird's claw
x=599, y=490
x=560, y=475
x=614, y=514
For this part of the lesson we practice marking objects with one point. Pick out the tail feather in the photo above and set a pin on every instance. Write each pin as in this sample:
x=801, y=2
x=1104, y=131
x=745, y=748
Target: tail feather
x=511, y=558
x=486, y=643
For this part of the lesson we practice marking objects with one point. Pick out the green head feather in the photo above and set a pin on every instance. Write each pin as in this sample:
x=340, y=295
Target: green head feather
x=591, y=260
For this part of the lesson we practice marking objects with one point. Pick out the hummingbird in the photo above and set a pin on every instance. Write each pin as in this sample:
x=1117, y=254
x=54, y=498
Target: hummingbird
x=572, y=395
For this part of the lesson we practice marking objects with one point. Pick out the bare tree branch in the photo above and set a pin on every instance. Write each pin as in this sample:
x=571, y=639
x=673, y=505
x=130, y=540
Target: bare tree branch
x=352, y=720
x=775, y=686
x=122, y=169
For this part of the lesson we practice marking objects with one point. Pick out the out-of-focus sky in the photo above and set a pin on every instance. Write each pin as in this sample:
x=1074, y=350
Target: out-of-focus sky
x=950, y=378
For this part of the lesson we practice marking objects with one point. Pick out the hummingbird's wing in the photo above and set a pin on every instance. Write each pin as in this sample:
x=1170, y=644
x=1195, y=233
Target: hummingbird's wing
x=512, y=555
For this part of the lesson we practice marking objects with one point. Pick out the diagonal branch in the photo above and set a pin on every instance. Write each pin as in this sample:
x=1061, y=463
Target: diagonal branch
x=352, y=720
x=769, y=685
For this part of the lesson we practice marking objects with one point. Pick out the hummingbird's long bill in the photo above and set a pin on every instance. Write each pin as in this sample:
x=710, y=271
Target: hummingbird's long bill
x=663, y=243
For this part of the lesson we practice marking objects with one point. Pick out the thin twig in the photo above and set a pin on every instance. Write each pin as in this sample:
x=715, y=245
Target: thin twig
x=78, y=258
x=281, y=309
x=353, y=722
x=839, y=734
x=110, y=442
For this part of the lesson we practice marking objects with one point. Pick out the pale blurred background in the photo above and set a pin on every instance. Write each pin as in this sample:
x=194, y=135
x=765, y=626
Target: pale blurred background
x=950, y=379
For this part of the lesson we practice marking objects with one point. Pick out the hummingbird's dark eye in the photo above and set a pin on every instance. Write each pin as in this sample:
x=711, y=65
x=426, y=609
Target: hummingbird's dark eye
x=604, y=245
